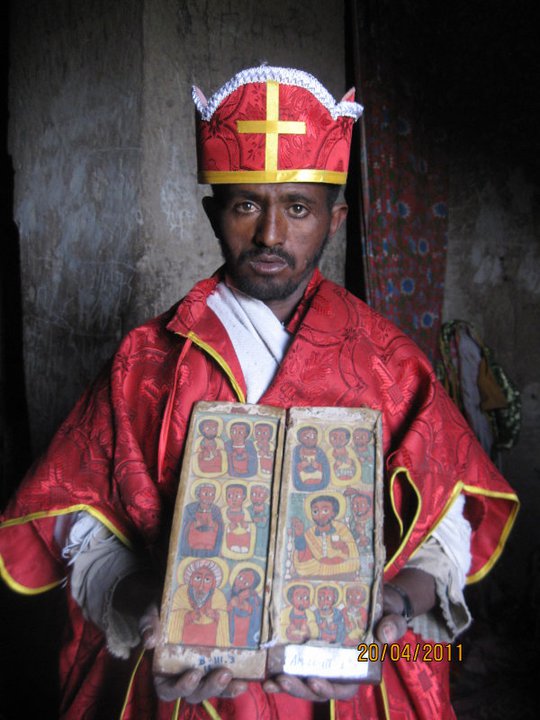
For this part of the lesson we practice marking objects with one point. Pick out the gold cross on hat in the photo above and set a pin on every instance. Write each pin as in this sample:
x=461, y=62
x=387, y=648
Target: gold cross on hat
x=272, y=127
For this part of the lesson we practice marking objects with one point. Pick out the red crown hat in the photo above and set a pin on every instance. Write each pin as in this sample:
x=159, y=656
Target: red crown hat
x=270, y=125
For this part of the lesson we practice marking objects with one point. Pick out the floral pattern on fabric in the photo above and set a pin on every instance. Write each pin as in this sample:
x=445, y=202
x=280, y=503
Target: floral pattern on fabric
x=406, y=198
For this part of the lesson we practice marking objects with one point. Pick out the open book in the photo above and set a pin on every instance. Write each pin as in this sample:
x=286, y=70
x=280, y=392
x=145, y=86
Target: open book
x=276, y=553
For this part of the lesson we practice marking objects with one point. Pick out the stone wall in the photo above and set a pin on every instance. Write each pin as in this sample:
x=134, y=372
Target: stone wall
x=102, y=139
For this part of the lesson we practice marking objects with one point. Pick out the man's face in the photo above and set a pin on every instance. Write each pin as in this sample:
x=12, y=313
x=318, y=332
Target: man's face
x=322, y=512
x=272, y=235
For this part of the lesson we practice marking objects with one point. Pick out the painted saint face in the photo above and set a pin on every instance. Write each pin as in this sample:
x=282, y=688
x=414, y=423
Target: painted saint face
x=263, y=432
x=308, y=436
x=206, y=494
x=360, y=504
x=202, y=584
x=339, y=437
x=258, y=494
x=239, y=433
x=322, y=512
x=209, y=428
x=235, y=496
x=326, y=598
x=361, y=437
x=245, y=580
x=300, y=597
x=354, y=597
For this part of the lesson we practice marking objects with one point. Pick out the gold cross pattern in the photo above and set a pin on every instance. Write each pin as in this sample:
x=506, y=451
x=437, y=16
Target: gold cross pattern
x=272, y=127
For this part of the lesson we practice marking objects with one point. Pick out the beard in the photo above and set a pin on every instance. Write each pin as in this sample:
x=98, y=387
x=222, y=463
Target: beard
x=266, y=289
x=198, y=597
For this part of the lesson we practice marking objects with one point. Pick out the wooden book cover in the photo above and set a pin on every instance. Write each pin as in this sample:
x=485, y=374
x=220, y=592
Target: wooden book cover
x=276, y=554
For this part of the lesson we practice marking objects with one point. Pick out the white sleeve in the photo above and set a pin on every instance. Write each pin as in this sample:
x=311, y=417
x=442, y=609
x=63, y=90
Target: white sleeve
x=446, y=555
x=98, y=562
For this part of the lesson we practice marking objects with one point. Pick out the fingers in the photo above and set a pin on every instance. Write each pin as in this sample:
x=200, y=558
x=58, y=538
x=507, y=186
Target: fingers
x=172, y=687
x=149, y=627
x=312, y=689
x=391, y=628
x=195, y=687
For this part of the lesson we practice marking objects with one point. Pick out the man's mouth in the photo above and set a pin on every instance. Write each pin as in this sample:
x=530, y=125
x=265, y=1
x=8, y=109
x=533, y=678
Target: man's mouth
x=268, y=264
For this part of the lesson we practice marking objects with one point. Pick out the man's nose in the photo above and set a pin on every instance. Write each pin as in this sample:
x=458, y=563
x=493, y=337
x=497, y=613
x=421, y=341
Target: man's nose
x=270, y=228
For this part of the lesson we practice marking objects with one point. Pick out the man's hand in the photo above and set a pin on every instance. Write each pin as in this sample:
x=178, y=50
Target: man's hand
x=313, y=689
x=420, y=587
x=194, y=686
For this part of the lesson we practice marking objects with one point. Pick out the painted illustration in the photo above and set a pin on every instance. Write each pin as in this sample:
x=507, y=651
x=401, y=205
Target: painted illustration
x=259, y=512
x=359, y=518
x=240, y=532
x=362, y=443
x=220, y=578
x=297, y=623
x=202, y=523
x=245, y=605
x=241, y=453
x=355, y=614
x=329, y=619
x=265, y=447
x=311, y=470
x=325, y=547
x=210, y=458
x=198, y=613
x=345, y=468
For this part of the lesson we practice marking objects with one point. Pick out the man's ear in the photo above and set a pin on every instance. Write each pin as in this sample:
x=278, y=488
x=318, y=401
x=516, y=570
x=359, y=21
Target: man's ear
x=338, y=214
x=211, y=208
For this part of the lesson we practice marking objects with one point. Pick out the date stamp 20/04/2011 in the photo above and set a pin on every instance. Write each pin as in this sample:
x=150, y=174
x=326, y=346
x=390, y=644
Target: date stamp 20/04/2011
x=411, y=652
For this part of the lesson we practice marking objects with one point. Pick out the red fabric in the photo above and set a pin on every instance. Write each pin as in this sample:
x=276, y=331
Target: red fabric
x=325, y=144
x=405, y=237
x=104, y=459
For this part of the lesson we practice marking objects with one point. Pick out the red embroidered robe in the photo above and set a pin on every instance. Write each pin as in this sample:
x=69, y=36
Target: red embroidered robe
x=118, y=457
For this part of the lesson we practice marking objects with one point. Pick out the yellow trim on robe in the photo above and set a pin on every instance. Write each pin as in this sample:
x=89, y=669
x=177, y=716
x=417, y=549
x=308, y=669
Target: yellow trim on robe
x=405, y=538
x=384, y=697
x=332, y=709
x=176, y=711
x=220, y=361
x=458, y=488
x=41, y=515
x=130, y=684
x=23, y=589
x=211, y=710
x=484, y=570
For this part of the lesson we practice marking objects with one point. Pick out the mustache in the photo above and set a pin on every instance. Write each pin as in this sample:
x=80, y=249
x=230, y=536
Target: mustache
x=267, y=252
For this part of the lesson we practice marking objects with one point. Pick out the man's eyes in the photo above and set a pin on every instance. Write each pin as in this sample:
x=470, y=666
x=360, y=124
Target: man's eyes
x=245, y=207
x=298, y=210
